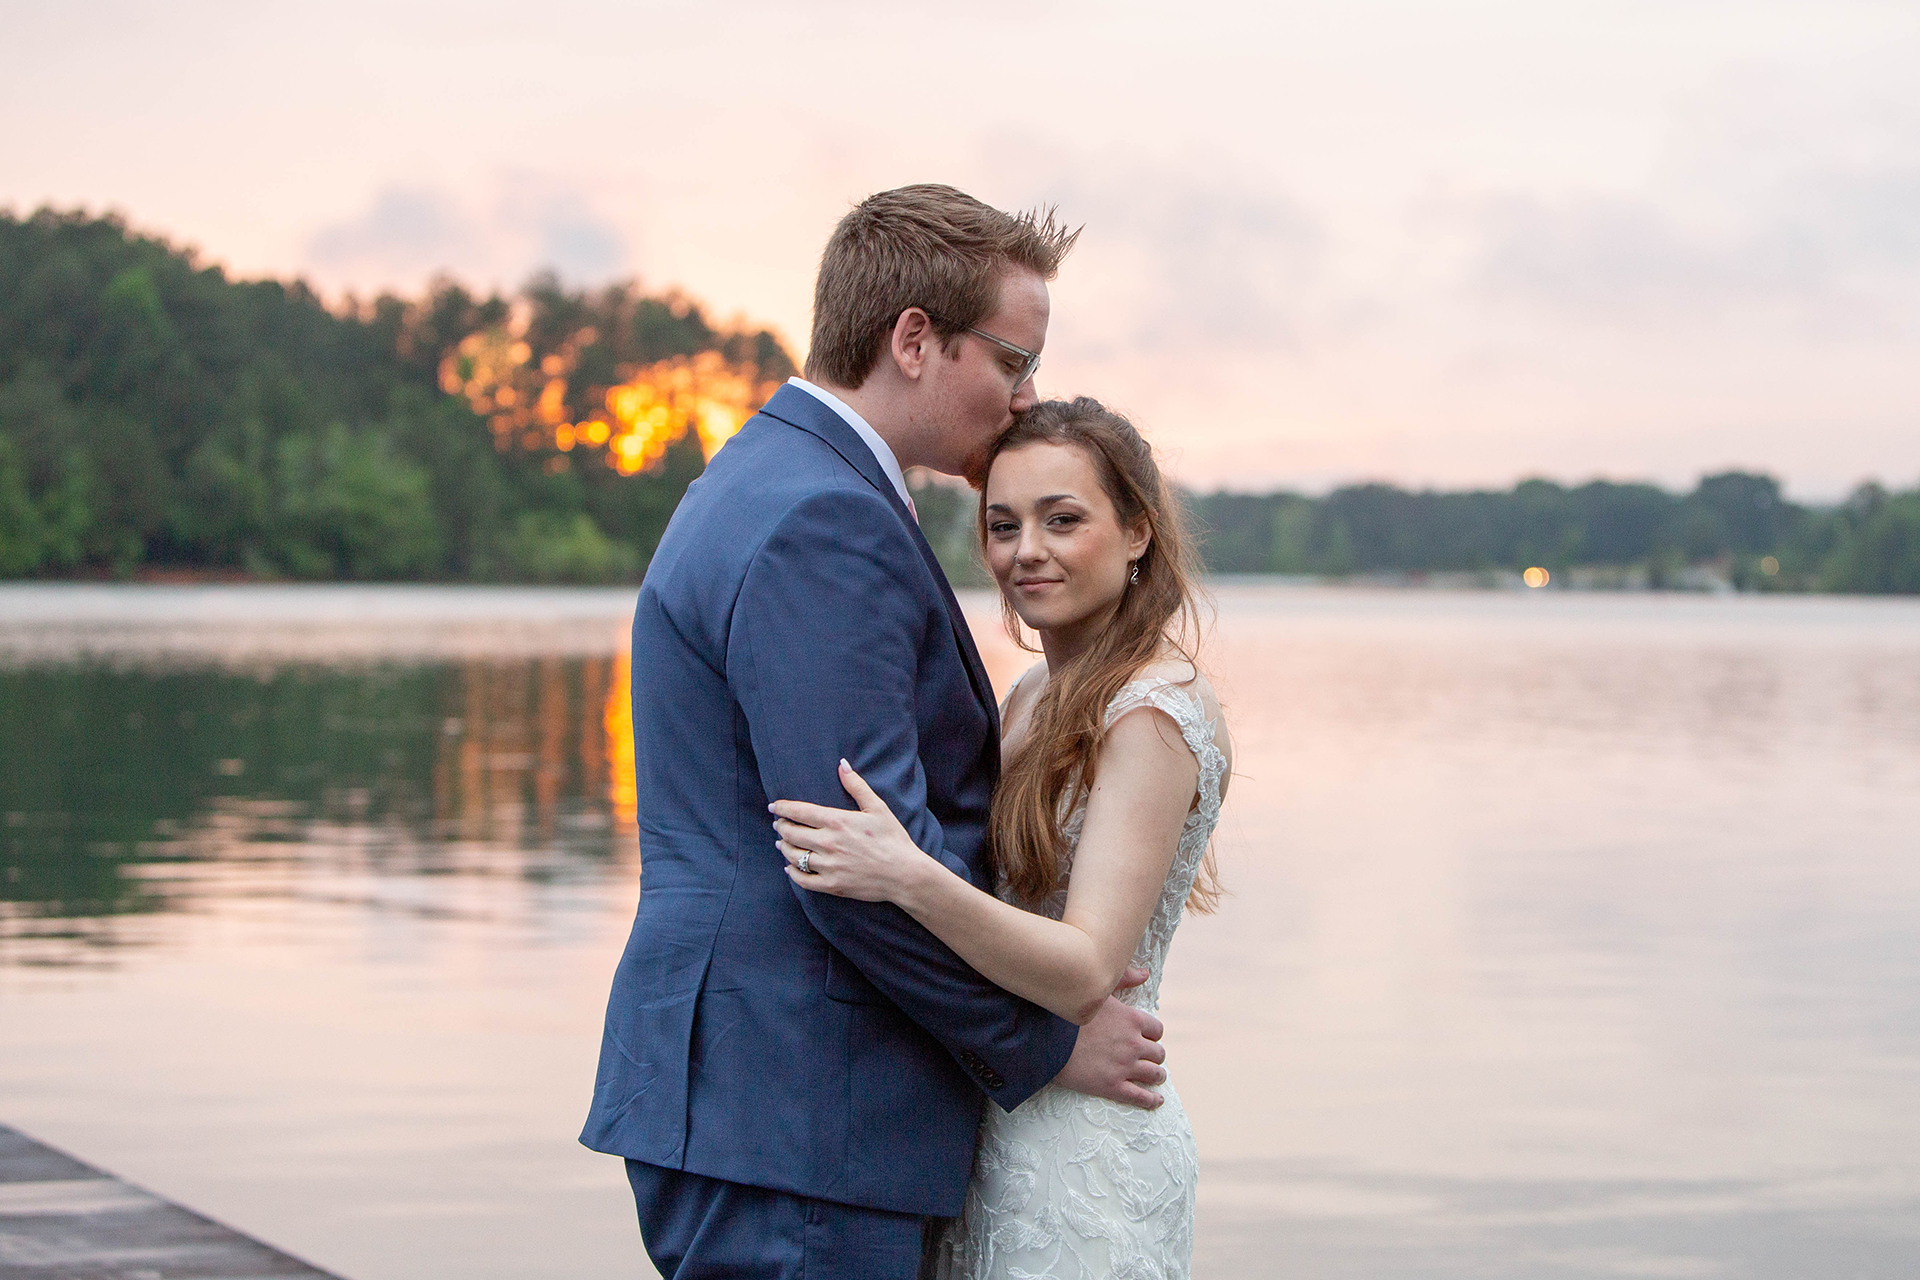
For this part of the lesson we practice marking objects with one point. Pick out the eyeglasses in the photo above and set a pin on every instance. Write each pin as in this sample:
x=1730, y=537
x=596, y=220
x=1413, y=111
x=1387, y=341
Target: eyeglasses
x=1029, y=360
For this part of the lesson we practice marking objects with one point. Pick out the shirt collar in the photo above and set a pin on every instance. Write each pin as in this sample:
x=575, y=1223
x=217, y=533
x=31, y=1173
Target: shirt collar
x=882, y=453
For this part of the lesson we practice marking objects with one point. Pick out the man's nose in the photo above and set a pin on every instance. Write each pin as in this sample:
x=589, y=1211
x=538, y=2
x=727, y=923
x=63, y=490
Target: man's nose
x=1025, y=396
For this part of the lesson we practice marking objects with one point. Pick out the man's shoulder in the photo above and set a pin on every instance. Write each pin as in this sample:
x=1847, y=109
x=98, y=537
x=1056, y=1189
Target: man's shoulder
x=772, y=483
x=771, y=454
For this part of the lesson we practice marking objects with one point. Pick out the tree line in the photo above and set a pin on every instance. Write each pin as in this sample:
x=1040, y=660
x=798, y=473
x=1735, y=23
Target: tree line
x=1739, y=523
x=156, y=415
x=1736, y=526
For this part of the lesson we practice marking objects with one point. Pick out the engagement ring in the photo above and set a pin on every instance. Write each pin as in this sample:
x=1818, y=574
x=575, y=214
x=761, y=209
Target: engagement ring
x=802, y=861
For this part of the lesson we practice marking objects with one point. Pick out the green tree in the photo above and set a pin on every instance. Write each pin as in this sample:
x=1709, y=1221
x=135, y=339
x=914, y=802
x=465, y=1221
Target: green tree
x=1737, y=511
x=546, y=546
x=1881, y=554
x=22, y=539
x=949, y=519
x=350, y=508
x=157, y=412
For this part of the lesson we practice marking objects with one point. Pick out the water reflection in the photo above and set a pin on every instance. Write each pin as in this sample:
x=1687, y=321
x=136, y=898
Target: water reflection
x=121, y=781
x=1570, y=936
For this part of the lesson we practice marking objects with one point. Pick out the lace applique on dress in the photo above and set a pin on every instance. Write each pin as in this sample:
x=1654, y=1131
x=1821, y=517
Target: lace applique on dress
x=1074, y=1187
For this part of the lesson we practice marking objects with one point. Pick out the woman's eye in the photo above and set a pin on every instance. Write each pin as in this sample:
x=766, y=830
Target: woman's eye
x=1063, y=519
x=1002, y=528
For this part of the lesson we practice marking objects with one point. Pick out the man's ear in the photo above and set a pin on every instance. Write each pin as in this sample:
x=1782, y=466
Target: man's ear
x=914, y=343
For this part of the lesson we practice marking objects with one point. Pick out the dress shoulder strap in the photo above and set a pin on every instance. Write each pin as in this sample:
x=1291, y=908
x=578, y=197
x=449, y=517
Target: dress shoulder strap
x=1182, y=705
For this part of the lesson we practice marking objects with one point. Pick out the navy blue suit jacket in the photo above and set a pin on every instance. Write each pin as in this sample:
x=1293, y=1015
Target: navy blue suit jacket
x=758, y=1033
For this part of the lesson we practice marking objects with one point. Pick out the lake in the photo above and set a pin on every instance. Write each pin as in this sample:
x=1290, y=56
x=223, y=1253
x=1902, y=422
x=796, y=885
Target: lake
x=1572, y=935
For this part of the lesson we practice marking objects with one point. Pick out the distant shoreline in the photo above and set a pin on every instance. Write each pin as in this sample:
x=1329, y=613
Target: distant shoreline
x=1707, y=580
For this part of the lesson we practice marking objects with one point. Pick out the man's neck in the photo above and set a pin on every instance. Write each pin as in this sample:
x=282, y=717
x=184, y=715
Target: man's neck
x=874, y=410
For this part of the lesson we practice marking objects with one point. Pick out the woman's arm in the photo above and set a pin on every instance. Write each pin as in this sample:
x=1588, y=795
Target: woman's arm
x=1145, y=787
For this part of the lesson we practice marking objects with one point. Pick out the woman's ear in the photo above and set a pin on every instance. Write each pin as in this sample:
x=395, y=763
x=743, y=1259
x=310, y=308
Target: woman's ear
x=1139, y=538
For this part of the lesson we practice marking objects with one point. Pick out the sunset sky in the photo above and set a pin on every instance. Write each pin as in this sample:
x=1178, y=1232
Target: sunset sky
x=1431, y=243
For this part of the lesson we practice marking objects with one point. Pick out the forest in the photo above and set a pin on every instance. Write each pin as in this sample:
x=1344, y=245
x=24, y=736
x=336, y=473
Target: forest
x=158, y=418
x=1734, y=527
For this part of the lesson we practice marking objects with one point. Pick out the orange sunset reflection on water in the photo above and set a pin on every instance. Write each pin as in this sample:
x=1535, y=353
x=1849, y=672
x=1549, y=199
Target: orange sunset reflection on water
x=534, y=740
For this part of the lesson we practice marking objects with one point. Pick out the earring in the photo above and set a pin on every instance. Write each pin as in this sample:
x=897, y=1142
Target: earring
x=1134, y=575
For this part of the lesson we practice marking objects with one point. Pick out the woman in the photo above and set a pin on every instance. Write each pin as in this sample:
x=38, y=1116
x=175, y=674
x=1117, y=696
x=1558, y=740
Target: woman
x=1115, y=764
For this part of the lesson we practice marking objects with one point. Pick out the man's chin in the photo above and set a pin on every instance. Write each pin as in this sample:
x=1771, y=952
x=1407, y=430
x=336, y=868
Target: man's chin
x=974, y=469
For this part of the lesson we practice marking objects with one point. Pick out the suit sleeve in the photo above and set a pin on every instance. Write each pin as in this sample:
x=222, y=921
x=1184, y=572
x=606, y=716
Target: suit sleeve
x=823, y=655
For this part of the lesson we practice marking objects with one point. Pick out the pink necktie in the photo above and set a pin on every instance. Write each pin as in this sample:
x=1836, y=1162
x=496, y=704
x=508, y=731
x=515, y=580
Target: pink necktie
x=911, y=511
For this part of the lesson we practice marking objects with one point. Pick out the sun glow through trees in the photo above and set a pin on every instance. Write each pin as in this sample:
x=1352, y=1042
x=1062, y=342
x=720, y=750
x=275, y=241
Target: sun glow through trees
x=526, y=405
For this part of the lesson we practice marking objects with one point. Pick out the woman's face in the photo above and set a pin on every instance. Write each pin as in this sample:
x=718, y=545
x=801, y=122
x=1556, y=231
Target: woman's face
x=1054, y=543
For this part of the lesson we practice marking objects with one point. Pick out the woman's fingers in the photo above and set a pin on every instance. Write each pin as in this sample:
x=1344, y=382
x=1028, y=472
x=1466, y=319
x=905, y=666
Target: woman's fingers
x=811, y=884
x=817, y=815
x=811, y=815
x=791, y=852
x=815, y=879
x=815, y=871
x=863, y=795
x=804, y=836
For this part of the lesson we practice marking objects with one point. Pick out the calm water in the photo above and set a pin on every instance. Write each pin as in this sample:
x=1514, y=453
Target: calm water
x=1573, y=936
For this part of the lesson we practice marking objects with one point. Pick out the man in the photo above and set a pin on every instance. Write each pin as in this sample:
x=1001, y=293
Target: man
x=795, y=1079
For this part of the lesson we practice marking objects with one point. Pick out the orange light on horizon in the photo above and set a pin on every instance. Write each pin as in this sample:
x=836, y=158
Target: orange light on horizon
x=526, y=406
x=703, y=393
x=1536, y=577
x=490, y=370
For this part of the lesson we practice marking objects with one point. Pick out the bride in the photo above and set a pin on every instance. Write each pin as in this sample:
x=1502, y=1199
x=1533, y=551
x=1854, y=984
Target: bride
x=1116, y=758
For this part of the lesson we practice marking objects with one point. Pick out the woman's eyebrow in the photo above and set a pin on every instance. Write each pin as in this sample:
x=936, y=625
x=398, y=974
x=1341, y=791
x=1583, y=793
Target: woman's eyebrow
x=1038, y=502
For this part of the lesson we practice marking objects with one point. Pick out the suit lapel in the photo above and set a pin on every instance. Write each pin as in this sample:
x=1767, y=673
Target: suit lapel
x=976, y=669
x=796, y=408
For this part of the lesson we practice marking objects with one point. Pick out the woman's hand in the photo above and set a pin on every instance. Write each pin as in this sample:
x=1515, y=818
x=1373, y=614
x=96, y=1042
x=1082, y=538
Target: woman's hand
x=859, y=853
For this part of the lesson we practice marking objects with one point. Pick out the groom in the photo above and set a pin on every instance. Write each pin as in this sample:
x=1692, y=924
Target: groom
x=794, y=1078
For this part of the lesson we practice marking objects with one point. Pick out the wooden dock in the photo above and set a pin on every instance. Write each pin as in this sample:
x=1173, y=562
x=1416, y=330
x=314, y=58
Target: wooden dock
x=64, y=1220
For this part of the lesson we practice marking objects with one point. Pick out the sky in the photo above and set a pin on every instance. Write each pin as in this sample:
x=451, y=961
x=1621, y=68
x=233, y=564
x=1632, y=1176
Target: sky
x=1432, y=244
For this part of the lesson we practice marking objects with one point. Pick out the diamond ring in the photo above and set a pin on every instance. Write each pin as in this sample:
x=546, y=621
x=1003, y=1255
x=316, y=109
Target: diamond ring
x=802, y=861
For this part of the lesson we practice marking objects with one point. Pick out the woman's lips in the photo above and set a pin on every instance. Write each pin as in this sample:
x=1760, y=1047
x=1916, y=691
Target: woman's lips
x=1035, y=584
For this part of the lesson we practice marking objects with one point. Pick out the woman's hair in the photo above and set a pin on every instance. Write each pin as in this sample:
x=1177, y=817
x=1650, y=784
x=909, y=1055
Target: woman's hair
x=1158, y=612
x=924, y=246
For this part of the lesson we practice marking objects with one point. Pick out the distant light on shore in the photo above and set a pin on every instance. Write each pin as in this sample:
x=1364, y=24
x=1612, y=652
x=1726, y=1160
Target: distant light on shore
x=1536, y=577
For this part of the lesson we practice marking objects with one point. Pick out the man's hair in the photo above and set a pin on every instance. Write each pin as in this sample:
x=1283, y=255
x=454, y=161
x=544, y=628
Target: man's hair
x=924, y=246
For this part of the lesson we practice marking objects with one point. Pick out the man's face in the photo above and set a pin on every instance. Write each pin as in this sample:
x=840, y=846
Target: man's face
x=975, y=396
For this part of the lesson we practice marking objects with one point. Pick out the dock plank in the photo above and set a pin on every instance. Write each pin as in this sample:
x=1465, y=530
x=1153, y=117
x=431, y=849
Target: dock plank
x=63, y=1219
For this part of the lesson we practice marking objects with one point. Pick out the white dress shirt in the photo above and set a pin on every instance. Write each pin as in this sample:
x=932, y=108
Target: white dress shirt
x=881, y=451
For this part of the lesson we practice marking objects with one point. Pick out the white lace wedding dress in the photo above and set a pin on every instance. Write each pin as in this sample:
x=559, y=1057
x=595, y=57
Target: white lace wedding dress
x=1071, y=1187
